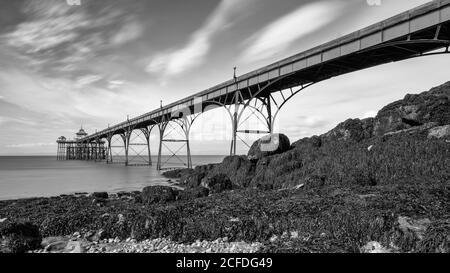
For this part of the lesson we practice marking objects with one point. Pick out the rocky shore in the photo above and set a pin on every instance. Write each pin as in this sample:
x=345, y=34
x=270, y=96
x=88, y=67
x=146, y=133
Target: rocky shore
x=375, y=185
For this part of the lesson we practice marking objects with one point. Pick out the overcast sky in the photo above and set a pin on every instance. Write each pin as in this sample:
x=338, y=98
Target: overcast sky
x=94, y=64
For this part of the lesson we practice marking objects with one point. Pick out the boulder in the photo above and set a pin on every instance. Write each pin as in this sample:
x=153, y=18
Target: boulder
x=351, y=129
x=19, y=237
x=100, y=195
x=158, y=194
x=193, y=193
x=415, y=110
x=269, y=145
x=217, y=183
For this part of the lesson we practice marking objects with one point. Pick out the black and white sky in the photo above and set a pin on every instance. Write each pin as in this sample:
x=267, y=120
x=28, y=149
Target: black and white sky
x=65, y=65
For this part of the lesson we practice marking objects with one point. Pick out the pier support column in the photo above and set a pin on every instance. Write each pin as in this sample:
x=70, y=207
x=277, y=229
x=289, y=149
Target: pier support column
x=183, y=122
x=126, y=141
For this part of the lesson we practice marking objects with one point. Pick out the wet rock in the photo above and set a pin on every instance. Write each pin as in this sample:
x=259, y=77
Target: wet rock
x=193, y=193
x=158, y=194
x=269, y=145
x=18, y=237
x=100, y=195
x=217, y=183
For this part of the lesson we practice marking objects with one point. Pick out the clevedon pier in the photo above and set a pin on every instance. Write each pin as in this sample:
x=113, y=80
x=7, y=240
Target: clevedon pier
x=422, y=31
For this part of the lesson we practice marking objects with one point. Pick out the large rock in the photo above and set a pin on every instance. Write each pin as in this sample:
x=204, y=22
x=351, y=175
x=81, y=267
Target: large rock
x=415, y=110
x=19, y=237
x=217, y=183
x=159, y=194
x=269, y=145
x=193, y=193
x=100, y=195
x=351, y=129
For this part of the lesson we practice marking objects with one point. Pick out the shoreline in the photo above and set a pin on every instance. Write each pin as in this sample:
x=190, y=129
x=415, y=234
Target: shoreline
x=86, y=223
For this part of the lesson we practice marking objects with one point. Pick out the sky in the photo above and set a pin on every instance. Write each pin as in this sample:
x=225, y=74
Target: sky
x=63, y=66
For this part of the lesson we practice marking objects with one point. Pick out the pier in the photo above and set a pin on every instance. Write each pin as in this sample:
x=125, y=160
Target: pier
x=262, y=93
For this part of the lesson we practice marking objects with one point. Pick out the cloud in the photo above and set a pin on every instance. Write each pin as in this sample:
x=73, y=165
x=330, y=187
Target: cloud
x=129, y=32
x=176, y=61
x=280, y=34
x=51, y=25
x=86, y=80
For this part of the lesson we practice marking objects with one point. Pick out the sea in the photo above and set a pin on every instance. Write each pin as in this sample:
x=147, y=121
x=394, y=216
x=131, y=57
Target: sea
x=45, y=176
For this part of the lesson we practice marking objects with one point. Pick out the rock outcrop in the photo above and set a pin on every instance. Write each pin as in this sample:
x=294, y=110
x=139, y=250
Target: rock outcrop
x=217, y=183
x=364, y=152
x=158, y=194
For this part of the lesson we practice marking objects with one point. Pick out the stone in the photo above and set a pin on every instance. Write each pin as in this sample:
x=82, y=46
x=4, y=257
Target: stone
x=57, y=246
x=374, y=247
x=217, y=183
x=159, y=194
x=439, y=132
x=51, y=240
x=417, y=227
x=269, y=145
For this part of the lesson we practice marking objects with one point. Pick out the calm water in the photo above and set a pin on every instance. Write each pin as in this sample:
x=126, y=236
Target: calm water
x=43, y=176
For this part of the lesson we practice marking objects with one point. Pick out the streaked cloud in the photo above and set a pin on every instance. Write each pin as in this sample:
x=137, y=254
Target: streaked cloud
x=86, y=80
x=280, y=34
x=176, y=61
x=130, y=31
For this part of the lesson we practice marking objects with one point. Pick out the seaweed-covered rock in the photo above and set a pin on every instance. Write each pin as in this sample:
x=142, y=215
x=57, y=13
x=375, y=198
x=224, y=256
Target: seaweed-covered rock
x=178, y=173
x=19, y=237
x=100, y=195
x=238, y=169
x=269, y=145
x=314, y=141
x=351, y=129
x=158, y=194
x=217, y=183
x=415, y=110
x=193, y=193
